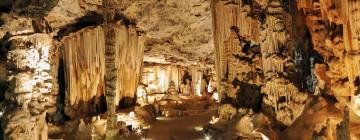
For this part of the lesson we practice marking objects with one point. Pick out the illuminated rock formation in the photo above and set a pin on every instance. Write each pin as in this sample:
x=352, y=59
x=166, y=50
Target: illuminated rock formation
x=33, y=61
x=255, y=49
x=172, y=94
x=295, y=63
x=278, y=65
x=333, y=26
x=84, y=61
x=158, y=77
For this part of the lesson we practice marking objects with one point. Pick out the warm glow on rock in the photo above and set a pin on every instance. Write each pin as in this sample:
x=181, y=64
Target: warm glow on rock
x=215, y=96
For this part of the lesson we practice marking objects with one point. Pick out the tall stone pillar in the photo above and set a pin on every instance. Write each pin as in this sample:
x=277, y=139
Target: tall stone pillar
x=32, y=64
x=109, y=7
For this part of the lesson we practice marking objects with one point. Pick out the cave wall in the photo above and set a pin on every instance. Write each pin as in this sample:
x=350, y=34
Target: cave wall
x=292, y=53
x=333, y=27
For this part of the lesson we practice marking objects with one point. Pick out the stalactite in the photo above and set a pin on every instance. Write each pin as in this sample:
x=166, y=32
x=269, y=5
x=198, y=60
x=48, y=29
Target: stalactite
x=226, y=15
x=158, y=77
x=338, y=44
x=128, y=61
x=276, y=36
x=238, y=57
x=99, y=60
x=351, y=30
x=84, y=61
x=196, y=74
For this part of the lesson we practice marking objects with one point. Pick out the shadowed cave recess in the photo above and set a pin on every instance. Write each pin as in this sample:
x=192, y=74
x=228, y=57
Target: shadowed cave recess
x=179, y=69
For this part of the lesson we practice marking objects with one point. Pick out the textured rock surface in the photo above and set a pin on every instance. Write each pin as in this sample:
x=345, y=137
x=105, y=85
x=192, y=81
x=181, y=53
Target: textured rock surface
x=333, y=26
x=257, y=49
x=295, y=61
x=84, y=62
x=174, y=30
x=33, y=61
x=34, y=29
x=88, y=61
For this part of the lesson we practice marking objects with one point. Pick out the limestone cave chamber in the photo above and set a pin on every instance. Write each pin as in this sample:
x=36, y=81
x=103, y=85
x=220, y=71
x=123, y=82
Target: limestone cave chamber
x=180, y=69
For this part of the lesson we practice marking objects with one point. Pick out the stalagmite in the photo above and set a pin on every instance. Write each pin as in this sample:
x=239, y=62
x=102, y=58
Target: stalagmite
x=342, y=129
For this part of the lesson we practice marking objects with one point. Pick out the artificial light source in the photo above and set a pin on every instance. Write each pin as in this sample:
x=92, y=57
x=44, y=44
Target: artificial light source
x=132, y=114
x=138, y=132
x=198, y=128
x=207, y=137
x=214, y=120
x=215, y=96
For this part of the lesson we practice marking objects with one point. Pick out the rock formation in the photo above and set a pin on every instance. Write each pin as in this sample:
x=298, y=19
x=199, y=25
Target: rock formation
x=295, y=63
x=333, y=28
x=173, y=29
x=172, y=94
x=76, y=33
x=84, y=61
x=257, y=49
x=33, y=61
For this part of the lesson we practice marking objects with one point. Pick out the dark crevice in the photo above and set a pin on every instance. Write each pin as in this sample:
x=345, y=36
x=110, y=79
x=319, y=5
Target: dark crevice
x=4, y=47
x=186, y=77
x=247, y=96
x=40, y=25
x=5, y=6
x=60, y=116
x=90, y=19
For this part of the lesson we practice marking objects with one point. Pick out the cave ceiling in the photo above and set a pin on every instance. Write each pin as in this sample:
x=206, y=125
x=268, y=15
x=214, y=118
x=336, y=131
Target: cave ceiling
x=175, y=32
x=178, y=32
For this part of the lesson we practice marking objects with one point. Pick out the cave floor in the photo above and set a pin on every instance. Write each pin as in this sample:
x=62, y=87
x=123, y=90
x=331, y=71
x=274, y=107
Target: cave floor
x=180, y=128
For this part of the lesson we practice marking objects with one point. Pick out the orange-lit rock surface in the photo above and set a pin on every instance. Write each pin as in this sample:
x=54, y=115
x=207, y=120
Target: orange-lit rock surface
x=274, y=69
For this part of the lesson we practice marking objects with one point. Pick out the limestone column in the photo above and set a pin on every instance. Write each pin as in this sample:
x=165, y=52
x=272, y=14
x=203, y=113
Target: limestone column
x=32, y=64
x=109, y=7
